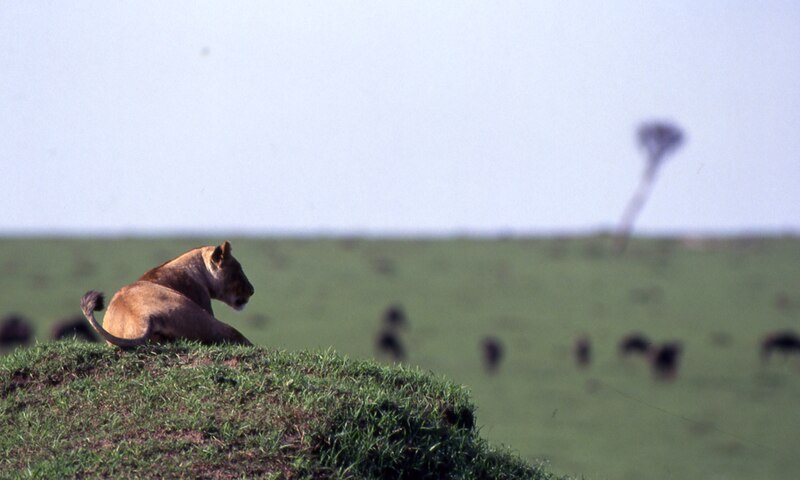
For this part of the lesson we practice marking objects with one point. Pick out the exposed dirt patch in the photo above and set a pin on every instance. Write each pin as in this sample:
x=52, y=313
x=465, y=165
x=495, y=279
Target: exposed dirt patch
x=232, y=362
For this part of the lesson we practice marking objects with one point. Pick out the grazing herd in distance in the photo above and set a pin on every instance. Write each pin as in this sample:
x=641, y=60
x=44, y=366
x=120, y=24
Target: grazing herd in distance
x=16, y=330
x=664, y=358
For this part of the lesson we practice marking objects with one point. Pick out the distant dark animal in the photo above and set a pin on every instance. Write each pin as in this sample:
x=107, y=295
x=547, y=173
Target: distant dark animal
x=784, y=342
x=645, y=295
x=76, y=328
x=634, y=343
x=583, y=351
x=388, y=344
x=664, y=360
x=15, y=330
x=395, y=317
x=783, y=301
x=493, y=351
x=721, y=339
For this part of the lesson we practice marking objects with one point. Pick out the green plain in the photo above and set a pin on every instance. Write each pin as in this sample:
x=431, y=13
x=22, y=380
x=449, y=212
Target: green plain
x=726, y=415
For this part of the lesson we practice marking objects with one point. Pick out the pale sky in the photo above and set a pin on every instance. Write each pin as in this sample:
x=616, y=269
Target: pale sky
x=395, y=117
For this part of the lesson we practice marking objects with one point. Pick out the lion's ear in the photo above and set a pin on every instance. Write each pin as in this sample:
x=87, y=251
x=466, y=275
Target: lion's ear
x=221, y=253
x=216, y=256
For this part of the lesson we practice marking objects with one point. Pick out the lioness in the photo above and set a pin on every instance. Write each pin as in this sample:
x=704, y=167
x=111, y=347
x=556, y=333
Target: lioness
x=173, y=301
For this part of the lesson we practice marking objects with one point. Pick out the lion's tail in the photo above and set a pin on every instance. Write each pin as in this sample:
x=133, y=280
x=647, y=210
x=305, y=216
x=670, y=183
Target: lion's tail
x=91, y=302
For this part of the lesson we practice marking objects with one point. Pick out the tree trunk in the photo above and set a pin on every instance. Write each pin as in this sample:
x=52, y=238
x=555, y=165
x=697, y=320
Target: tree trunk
x=634, y=207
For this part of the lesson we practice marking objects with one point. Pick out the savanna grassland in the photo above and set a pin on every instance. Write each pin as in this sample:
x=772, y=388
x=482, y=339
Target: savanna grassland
x=73, y=409
x=727, y=414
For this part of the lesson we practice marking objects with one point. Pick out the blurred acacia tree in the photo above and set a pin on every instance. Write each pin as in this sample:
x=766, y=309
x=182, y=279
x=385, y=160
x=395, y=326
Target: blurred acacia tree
x=657, y=139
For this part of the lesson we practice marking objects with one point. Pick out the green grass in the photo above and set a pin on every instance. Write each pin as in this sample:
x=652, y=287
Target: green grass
x=726, y=414
x=184, y=410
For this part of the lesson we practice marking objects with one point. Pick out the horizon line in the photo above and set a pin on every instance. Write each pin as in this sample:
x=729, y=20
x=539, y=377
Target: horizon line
x=395, y=233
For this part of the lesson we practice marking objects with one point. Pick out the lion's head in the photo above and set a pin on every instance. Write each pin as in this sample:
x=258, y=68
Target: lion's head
x=233, y=287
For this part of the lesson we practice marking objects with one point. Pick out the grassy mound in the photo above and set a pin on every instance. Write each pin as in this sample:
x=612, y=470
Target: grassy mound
x=82, y=410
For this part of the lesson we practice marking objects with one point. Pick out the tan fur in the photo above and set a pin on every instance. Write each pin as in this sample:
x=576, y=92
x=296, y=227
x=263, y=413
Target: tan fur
x=173, y=301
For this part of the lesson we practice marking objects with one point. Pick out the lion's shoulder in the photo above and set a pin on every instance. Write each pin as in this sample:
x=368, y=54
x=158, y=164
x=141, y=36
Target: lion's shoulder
x=185, y=275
